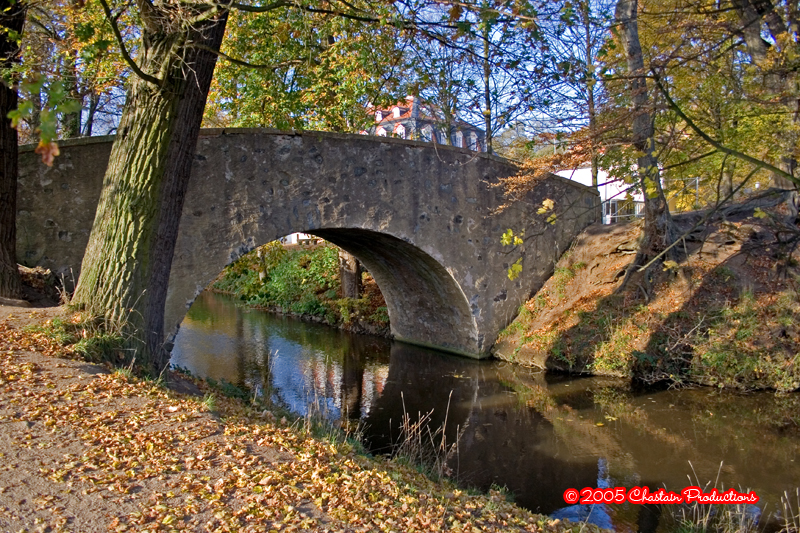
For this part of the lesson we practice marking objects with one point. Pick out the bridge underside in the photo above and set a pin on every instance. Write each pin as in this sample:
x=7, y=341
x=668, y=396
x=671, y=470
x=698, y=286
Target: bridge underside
x=426, y=306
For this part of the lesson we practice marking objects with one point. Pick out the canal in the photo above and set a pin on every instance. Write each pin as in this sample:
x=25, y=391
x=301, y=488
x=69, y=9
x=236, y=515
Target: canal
x=533, y=433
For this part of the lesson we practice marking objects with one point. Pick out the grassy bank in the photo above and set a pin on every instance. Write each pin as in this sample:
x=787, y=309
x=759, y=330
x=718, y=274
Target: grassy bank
x=726, y=316
x=91, y=450
x=304, y=281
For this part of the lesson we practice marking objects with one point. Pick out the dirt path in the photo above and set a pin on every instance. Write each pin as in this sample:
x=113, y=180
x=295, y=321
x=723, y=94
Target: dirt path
x=83, y=449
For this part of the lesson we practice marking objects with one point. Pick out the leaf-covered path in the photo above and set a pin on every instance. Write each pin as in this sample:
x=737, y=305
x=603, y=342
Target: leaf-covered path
x=86, y=450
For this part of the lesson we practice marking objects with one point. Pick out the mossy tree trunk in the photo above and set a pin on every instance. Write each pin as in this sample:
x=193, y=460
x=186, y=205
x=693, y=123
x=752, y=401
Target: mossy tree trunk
x=127, y=263
x=12, y=18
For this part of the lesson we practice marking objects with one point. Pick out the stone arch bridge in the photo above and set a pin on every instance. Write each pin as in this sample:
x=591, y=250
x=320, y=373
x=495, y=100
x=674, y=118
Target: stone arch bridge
x=420, y=217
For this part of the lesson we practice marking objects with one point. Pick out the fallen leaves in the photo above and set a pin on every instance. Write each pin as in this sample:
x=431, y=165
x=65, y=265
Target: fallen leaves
x=237, y=470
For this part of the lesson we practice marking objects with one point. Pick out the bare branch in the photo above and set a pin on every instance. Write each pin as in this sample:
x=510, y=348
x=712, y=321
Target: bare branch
x=124, y=51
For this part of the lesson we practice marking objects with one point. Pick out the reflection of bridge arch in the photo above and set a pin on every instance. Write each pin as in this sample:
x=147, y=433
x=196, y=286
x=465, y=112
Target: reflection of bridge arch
x=419, y=216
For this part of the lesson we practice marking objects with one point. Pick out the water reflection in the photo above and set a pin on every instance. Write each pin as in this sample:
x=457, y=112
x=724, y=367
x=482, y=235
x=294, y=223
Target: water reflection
x=537, y=435
x=303, y=365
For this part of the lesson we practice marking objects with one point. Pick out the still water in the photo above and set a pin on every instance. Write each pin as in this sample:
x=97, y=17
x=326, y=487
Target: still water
x=533, y=433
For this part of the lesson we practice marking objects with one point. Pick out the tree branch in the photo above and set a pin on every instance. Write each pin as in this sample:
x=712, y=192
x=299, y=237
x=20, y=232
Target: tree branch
x=700, y=222
x=716, y=144
x=261, y=9
x=242, y=63
x=689, y=161
x=124, y=51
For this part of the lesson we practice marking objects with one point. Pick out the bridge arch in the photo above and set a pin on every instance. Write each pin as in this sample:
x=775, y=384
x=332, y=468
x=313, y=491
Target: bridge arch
x=425, y=303
x=421, y=217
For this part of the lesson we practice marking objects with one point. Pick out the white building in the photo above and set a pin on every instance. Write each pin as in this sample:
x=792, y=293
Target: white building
x=620, y=204
x=299, y=238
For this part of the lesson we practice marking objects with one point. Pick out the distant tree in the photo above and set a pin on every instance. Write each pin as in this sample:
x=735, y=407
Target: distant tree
x=316, y=70
x=440, y=77
x=70, y=56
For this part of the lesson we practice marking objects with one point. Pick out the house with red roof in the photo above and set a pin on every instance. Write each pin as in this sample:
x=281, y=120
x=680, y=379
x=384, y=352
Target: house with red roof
x=419, y=121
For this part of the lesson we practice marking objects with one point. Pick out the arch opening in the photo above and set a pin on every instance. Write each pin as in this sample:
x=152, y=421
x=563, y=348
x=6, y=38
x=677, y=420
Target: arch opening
x=426, y=305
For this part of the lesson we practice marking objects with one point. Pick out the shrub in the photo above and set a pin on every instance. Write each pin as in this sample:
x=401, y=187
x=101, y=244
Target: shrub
x=299, y=280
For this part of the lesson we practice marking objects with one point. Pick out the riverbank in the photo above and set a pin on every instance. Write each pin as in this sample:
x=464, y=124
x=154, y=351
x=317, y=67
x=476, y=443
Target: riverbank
x=726, y=316
x=87, y=449
x=303, y=282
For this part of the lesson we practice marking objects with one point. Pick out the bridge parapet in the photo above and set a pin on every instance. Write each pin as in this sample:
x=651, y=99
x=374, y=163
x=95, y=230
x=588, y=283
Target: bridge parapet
x=422, y=219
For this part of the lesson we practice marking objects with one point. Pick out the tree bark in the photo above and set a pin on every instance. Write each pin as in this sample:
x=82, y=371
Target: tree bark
x=126, y=267
x=12, y=18
x=659, y=229
x=751, y=30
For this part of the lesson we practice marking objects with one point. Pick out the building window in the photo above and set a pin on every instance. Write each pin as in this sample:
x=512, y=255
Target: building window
x=473, y=141
x=397, y=112
x=400, y=130
x=380, y=132
x=459, y=139
x=622, y=210
x=378, y=116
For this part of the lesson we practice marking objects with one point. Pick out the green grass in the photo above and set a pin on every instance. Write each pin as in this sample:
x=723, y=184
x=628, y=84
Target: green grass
x=561, y=277
x=731, y=352
x=88, y=338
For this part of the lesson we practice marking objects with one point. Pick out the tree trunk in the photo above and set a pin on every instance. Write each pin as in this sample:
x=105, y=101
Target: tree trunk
x=126, y=267
x=71, y=122
x=94, y=102
x=590, y=82
x=726, y=187
x=659, y=229
x=350, y=275
x=751, y=30
x=12, y=18
x=487, y=94
x=788, y=164
x=753, y=15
